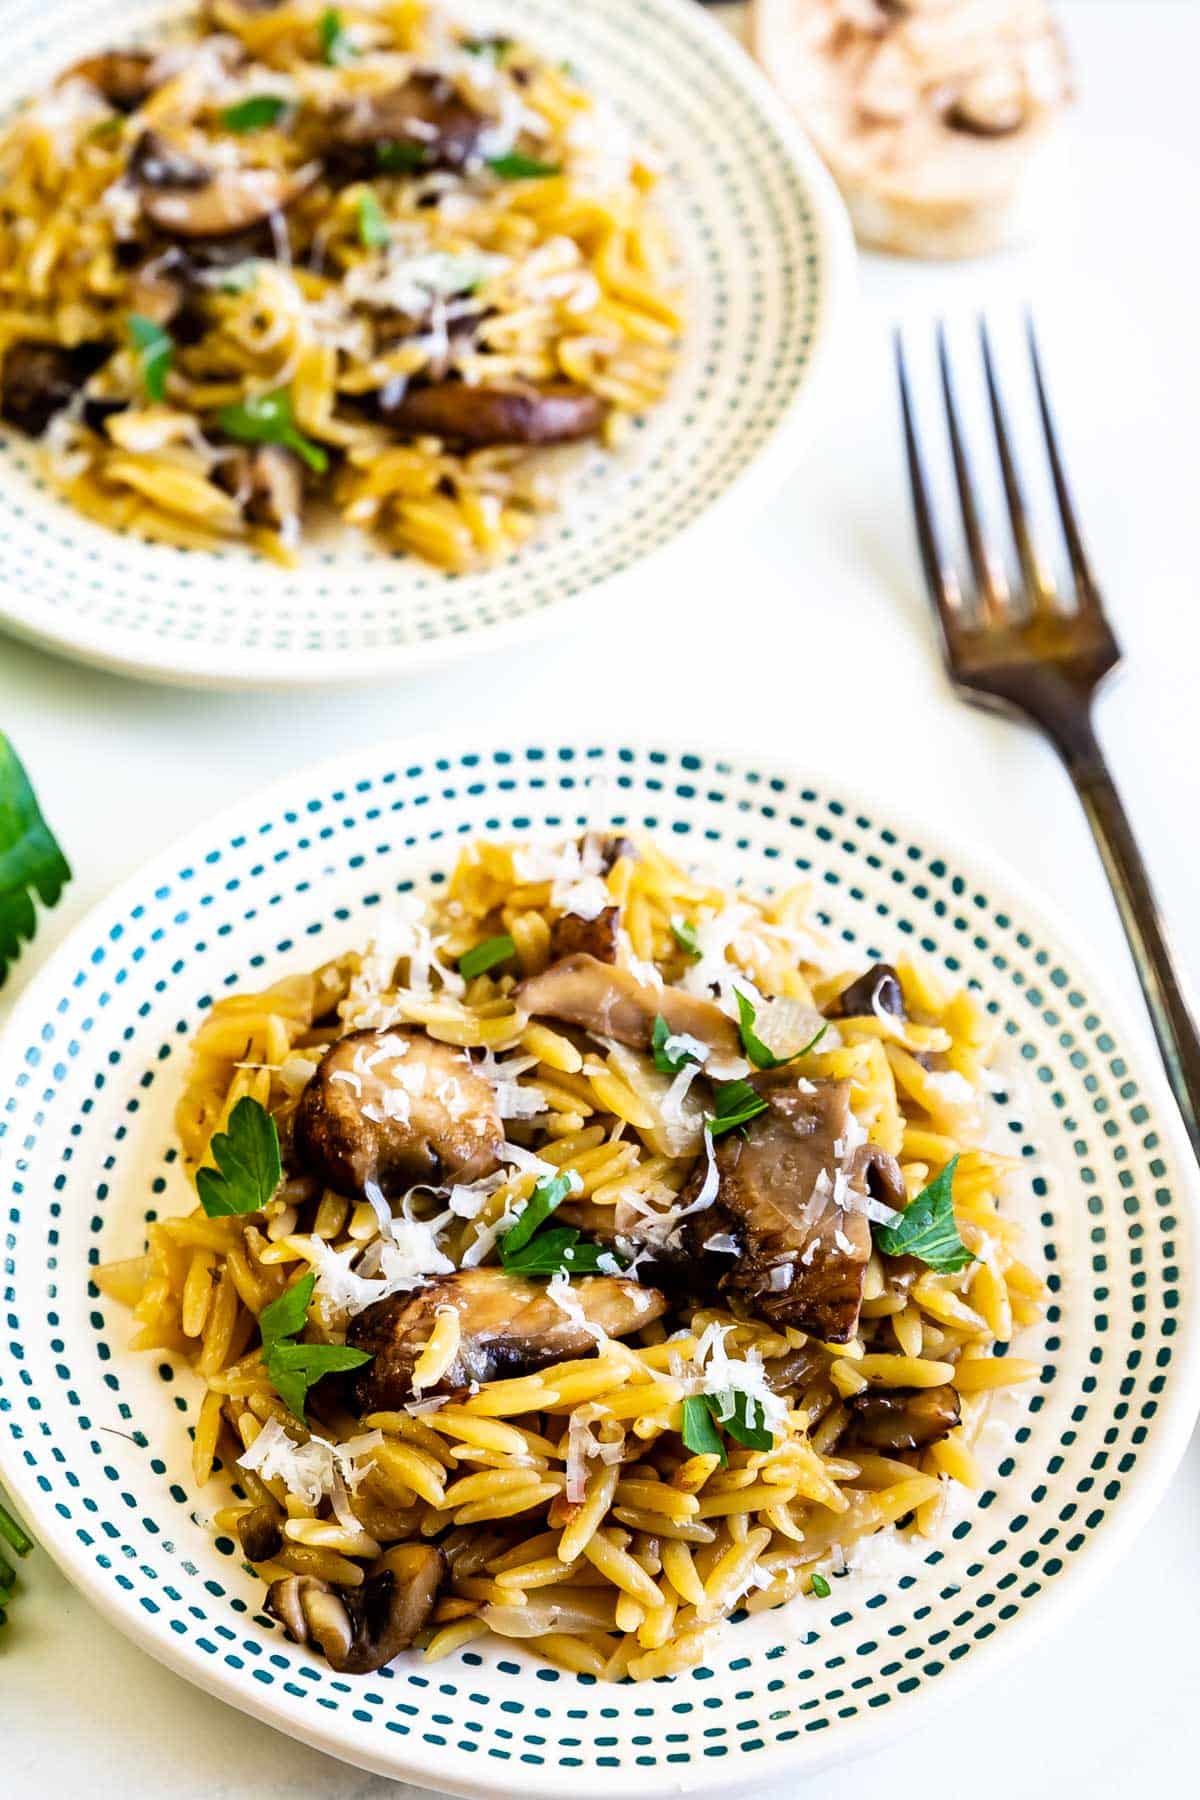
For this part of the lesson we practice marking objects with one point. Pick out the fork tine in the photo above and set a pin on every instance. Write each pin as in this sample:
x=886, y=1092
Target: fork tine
x=1085, y=582
x=989, y=575
x=1038, y=580
x=940, y=578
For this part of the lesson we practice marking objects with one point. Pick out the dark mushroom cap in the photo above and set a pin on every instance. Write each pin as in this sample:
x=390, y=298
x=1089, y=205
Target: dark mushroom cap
x=877, y=990
x=426, y=119
x=261, y=1531
x=558, y=412
x=39, y=380
x=902, y=1418
x=396, y=1108
x=361, y=1629
x=572, y=936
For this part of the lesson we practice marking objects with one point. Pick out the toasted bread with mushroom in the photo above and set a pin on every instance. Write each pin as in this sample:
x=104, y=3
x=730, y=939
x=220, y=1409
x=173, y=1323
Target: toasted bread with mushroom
x=933, y=115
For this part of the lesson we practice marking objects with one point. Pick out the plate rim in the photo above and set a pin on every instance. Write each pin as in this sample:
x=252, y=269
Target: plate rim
x=868, y=1731
x=200, y=666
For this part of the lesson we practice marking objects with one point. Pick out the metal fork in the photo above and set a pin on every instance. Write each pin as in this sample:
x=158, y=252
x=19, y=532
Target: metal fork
x=1022, y=651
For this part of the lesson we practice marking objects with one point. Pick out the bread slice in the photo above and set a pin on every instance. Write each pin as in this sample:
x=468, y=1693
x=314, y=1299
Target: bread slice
x=933, y=115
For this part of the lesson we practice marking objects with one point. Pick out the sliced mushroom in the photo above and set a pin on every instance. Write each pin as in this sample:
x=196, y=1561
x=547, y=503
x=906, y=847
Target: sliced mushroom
x=261, y=1531
x=394, y=1108
x=126, y=78
x=39, y=380
x=360, y=1629
x=184, y=197
x=424, y=124
x=613, y=1003
x=787, y=1197
x=876, y=991
x=558, y=412
x=509, y=1326
x=571, y=936
x=609, y=847
x=903, y=1418
x=991, y=104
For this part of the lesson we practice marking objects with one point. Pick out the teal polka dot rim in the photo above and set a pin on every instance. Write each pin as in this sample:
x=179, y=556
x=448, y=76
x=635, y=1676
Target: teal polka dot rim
x=94, y=1438
x=765, y=254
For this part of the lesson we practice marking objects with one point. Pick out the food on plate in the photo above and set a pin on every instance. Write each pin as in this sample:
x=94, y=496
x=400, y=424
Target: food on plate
x=933, y=115
x=595, y=1253
x=298, y=257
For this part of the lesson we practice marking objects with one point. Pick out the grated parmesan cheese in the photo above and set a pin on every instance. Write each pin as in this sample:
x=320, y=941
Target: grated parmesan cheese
x=311, y=1471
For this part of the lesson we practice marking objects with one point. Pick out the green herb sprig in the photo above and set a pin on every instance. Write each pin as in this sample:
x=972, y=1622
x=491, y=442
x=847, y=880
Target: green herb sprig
x=742, y=1416
x=488, y=955
x=819, y=1586
x=684, y=933
x=20, y=1543
x=927, y=1228
x=254, y=113
x=154, y=347
x=248, y=1168
x=336, y=48
x=756, y=1051
x=665, y=1060
x=515, y=167
x=293, y=1366
x=737, y=1104
x=396, y=156
x=269, y=419
x=373, y=229
x=30, y=859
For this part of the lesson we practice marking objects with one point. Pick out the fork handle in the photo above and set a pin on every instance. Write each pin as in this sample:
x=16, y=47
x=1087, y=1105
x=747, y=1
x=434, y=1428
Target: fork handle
x=1159, y=973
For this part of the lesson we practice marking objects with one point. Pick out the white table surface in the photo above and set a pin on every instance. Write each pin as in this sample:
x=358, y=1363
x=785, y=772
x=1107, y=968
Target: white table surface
x=806, y=640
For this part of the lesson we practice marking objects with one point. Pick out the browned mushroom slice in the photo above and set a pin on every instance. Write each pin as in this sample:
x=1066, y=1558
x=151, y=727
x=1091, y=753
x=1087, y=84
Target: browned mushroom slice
x=609, y=847
x=360, y=1629
x=261, y=1531
x=268, y=482
x=802, y=1251
x=425, y=124
x=876, y=991
x=556, y=413
x=183, y=197
x=509, y=1326
x=395, y=1108
x=613, y=1003
x=571, y=936
x=902, y=1418
x=39, y=380
x=126, y=78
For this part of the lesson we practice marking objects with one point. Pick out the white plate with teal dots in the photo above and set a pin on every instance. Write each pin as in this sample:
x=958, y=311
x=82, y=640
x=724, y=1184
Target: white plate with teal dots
x=93, y=1437
x=765, y=260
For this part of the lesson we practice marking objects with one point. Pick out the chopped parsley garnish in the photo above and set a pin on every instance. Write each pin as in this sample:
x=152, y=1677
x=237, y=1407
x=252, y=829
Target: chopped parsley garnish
x=665, y=1061
x=268, y=419
x=698, y=1431
x=373, y=228
x=558, y=1252
x=482, y=957
x=752, y=1044
x=155, y=347
x=515, y=167
x=495, y=49
x=292, y=1366
x=737, y=1104
x=549, y=1192
x=106, y=131
x=927, y=1228
x=739, y=1414
x=30, y=859
x=820, y=1587
x=254, y=113
x=248, y=1168
x=399, y=155
x=240, y=278
x=684, y=933
x=336, y=47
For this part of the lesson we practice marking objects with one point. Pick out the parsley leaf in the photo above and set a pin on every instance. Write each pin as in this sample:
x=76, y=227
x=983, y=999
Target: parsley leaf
x=254, y=113
x=515, y=167
x=748, y=1420
x=248, y=1168
x=927, y=1228
x=29, y=858
x=557, y=1252
x=397, y=154
x=820, y=1587
x=752, y=1044
x=684, y=933
x=482, y=957
x=155, y=347
x=336, y=48
x=548, y=1193
x=294, y=1367
x=268, y=419
x=495, y=49
x=737, y=1104
x=373, y=229
x=697, y=1429
x=664, y=1061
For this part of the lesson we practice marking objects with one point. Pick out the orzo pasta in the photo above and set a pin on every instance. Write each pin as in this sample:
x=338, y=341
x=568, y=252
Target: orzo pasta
x=588, y=1258
x=298, y=255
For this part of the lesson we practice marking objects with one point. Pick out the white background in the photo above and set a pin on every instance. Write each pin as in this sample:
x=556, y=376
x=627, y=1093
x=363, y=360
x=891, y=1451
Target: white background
x=806, y=640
